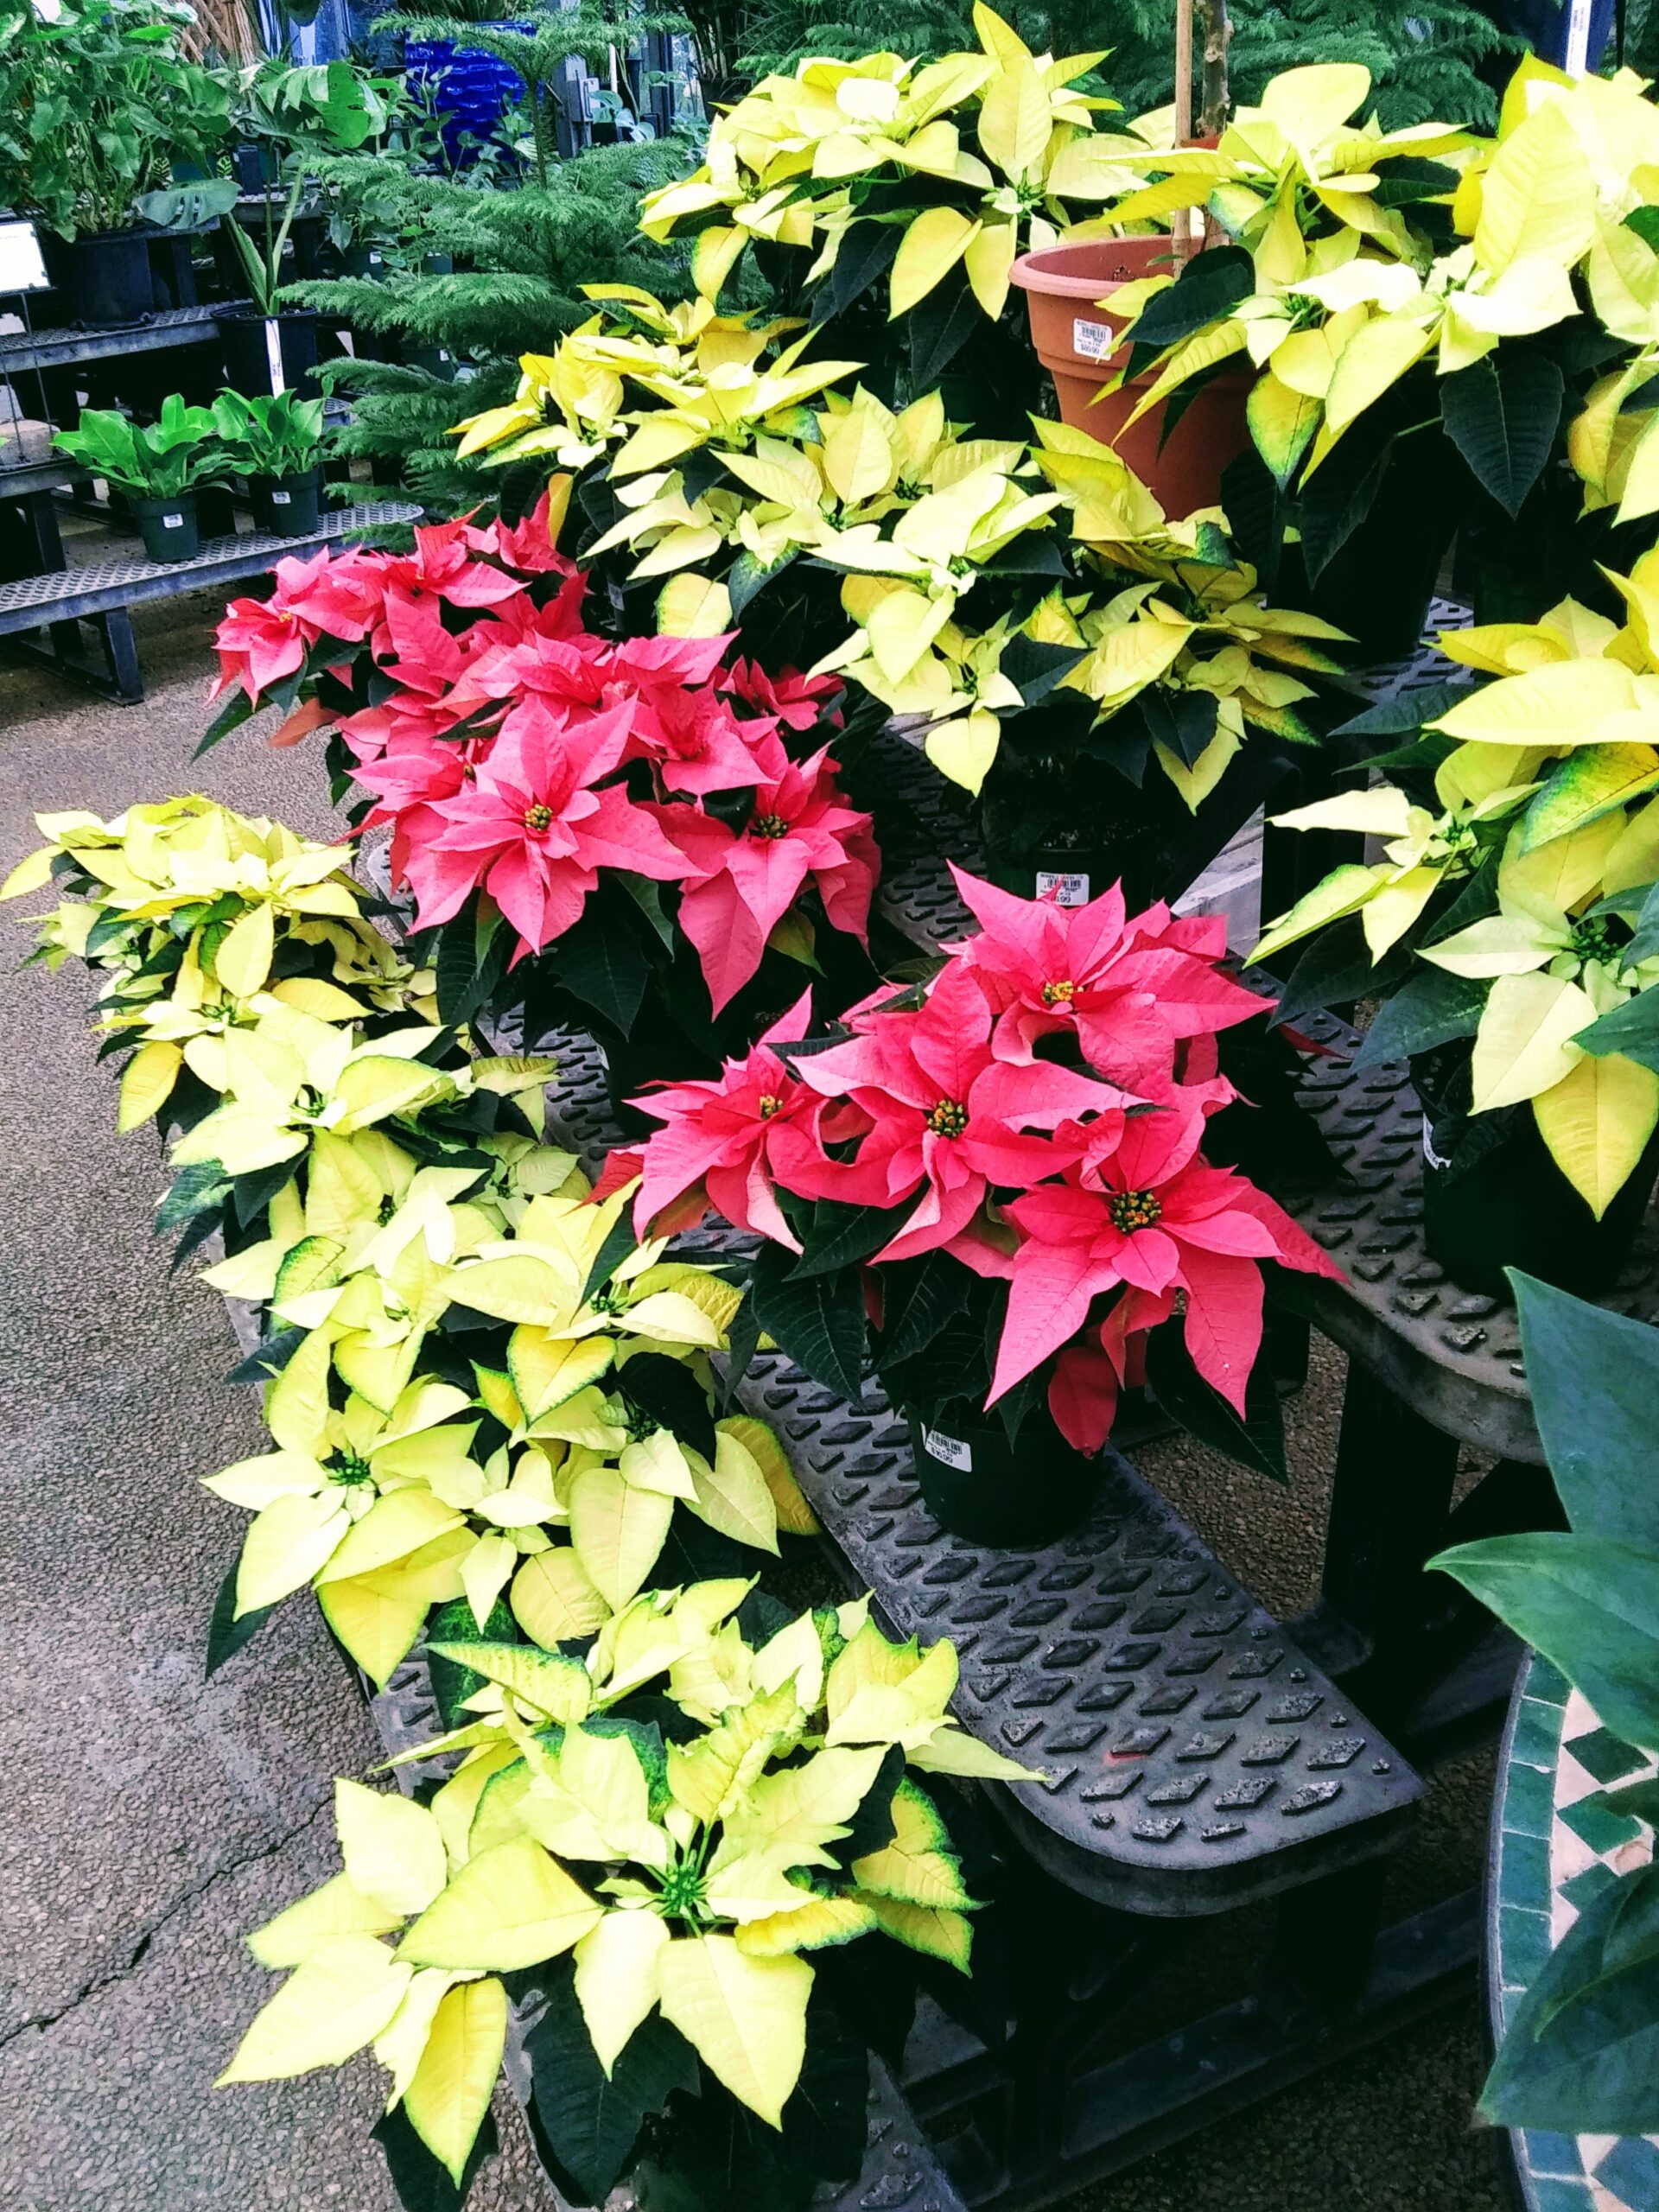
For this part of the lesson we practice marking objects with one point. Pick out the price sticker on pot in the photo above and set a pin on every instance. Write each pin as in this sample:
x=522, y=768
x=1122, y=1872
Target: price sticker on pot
x=281, y=499
x=172, y=522
x=1092, y=341
x=1430, y=1155
x=949, y=1450
x=1067, y=888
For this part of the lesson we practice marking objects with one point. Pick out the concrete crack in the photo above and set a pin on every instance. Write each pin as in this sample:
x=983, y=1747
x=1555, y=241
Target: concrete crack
x=97, y=1983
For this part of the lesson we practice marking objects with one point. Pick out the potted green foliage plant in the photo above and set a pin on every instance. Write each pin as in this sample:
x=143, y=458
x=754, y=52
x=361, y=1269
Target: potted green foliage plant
x=299, y=114
x=276, y=442
x=98, y=102
x=156, y=469
x=1573, y=2057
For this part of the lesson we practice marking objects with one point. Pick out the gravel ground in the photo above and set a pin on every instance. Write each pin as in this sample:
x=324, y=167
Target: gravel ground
x=152, y=1819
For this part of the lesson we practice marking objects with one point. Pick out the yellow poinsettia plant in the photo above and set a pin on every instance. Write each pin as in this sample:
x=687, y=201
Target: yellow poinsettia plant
x=911, y=170
x=1517, y=863
x=650, y=1887
x=1360, y=253
x=197, y=917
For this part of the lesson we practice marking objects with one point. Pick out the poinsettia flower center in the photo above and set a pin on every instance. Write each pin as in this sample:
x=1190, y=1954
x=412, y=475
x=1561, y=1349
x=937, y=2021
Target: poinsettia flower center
x=683, y=1890
x=346, y=1467
x=1593, y=938
x=770, y=1104
x=769, y=826
x=948, y=1118
x=538, y=816
x=1133, y=1210
x=1059, y=993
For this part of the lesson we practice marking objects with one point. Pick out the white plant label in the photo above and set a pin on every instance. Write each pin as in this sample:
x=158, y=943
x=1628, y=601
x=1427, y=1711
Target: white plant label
x=274, y=355
x=949, y=1450
x=1093, y=340
x=280, y=500
x=1066, y=888
x=172, y=522
x=1429, y=1153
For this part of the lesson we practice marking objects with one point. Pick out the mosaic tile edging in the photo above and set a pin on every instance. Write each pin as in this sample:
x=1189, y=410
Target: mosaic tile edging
x=1556, y=1754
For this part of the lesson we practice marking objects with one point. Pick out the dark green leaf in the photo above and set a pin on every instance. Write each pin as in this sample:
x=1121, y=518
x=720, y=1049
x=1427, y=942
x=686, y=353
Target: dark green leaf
x=1502, y=414
x=421, y=2183
x=1338, y=967
x=268, y=1357
x=619, y=1241
x=1407, y=710
x=1431, y=1008
x=1339, y=498
x=1645, y=221
x=940, y=326
x=1183, y=721
x=819, y=1321
x=227, y=1634
x=1583, y=2049
x=1632, y=1029
x=1256, y=1442
x=251, y=1193
x=1589, y=1605
x=1210, y=286
x=1035, y=668
x=867, y=252
x=604, y=967
x=1594, y=1380
x=842, y=1235
x=919, y=1297
x=671, y=1394
x=592, y=2123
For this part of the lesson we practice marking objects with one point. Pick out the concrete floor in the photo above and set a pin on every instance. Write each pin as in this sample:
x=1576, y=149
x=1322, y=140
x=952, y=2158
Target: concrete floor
x=151, y=1820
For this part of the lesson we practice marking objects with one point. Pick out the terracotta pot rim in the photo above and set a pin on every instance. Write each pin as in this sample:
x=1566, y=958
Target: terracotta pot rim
x=1045, y=272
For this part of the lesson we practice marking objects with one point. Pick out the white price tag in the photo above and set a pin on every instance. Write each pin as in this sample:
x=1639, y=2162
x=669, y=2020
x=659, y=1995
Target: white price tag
x=1433, y=1157
x=949, y=1450
x=1093, y=340
x=280, y=500
x=1066, y=888
x=172, y=522
x=274, y=354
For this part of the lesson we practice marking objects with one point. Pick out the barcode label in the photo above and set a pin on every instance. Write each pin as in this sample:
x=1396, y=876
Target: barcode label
x=949, y=1450
x=1066, y=888
x=1094, y=340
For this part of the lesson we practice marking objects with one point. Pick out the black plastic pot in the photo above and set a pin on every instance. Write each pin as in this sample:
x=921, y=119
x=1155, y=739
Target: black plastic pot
x=1509, y=1205
x=168, y=526
x=365, y=261
x=254, y=167
x=978, y=1485
x=248, y=341
x=104, y=275
x=436, y=360
x=286, y=505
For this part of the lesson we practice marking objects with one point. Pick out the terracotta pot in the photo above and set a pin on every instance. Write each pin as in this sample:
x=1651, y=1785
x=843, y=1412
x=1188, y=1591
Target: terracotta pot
x=1076, y=339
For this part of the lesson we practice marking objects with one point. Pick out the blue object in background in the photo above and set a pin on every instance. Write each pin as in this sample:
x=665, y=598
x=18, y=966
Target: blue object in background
x=474, y=91
x=1572, y=33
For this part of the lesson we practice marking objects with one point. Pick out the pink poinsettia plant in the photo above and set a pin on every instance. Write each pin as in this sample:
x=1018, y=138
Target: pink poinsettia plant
x=996, y=1182
x=545, y=786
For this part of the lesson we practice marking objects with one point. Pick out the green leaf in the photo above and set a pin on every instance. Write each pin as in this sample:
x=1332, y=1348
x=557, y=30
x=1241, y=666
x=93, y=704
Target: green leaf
x=1502, y=414
x=940, y=326
x=604, y=967
x=1210, y=286
x=843, y=1235
x=1408, y=710
x=226, y=1633
x=1256, y=1442
x=619, y=1241
x=819, y=1321
x=1590, y=1604
x=1432, y=1008
x=1184, y=722
x=1338, y=499
x=591, y=2123
x=1594, y=1380
x=421, y=2181
x=1337, y=966
x=1582, y=2052
x=919, y=1296
x=1632, y=1029
x=669, y=1392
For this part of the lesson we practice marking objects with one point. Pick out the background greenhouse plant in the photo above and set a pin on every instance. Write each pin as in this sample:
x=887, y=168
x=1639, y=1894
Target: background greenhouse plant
x=271, y=434
x=181, y=448
x=96, y=104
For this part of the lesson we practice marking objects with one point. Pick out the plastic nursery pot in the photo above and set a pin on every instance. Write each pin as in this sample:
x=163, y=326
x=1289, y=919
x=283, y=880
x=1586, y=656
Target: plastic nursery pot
x=1078, y=342
x=978, y=1485
x=168, y=526
x=1513, y=1208
x=436, y=360
x=104, y=275
x=267, y=353
x=287, y=504
x=365, y=261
